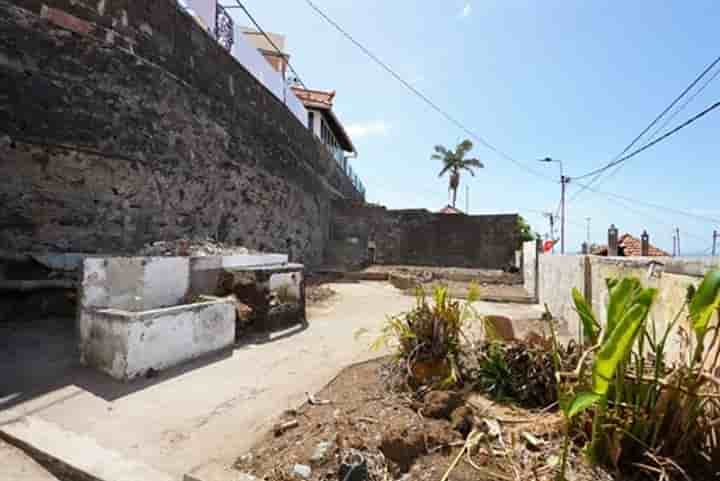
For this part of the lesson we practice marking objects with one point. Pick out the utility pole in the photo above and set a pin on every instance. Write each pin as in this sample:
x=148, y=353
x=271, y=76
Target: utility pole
x=564, y=180
x=674, y=244
x=715, y=238
x=467, y=199
x=551, y=218
x=677, y=231
x=587, y=219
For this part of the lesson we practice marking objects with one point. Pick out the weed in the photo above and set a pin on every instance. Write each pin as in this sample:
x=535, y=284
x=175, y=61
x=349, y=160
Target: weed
x=427, y=339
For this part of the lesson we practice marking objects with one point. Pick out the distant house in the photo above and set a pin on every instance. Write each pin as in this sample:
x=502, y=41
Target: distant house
x=313, y=107
x=324, y=123
x=630, y=246
x=448, y=209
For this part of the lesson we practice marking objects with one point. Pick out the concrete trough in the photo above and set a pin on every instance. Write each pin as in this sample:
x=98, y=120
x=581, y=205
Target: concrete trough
x=144, y=314
x=128, y=344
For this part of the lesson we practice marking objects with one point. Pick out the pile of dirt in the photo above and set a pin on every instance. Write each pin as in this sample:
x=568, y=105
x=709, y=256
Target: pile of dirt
x=409, y=436
x=193, y=248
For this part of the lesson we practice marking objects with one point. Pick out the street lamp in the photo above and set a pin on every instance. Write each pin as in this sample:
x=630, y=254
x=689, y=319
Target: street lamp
x=563, y=182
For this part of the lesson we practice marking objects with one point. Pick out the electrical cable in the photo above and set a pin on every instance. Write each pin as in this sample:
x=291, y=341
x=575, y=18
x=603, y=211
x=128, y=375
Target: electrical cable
x=654, y=134
x=657, y=119
x=654, y=206
x=651, y=143
x=415, y=91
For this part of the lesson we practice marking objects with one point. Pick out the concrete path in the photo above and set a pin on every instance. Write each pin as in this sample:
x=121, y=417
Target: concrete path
x=15, y=465
x=215, y=409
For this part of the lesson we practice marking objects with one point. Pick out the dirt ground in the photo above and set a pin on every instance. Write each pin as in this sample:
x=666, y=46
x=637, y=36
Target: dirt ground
x=318, y=294
x=401, y=437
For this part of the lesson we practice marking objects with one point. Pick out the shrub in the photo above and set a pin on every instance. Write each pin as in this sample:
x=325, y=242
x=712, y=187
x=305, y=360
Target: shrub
x=427, y=339
x=521, y=372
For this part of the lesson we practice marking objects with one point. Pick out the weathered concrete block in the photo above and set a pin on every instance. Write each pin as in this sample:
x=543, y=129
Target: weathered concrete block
x=126, y=344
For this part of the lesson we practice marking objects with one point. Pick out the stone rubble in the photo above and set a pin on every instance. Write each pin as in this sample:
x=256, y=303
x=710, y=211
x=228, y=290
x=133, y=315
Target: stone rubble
x=193, y=248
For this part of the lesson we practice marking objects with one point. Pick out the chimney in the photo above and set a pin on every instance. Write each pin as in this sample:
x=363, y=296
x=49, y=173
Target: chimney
x=645, y=244
x=612, y=241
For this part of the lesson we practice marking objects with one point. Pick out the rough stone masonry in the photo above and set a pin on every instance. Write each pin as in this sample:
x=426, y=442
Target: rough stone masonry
x=123, y=122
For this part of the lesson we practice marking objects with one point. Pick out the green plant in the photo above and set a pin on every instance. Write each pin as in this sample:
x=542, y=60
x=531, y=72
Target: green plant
x=526, y=232
x=454, y=161
x=644, y=408
x=627, y=310
x=427, y=339
x=522, y=372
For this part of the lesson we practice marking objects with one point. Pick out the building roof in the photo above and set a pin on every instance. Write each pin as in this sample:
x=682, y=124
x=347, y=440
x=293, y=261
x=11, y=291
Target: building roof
x=323, y=101
x=630, y=246
x=448, y=209
x=260, y=40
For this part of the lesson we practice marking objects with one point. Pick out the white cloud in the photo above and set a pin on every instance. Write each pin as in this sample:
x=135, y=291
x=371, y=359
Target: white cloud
x=467, y=10
x=366, y=129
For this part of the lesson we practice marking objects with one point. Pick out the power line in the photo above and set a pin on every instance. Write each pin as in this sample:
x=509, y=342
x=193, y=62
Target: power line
x=267, y=37
x=650, y=144
x=656, y=120
x=414, y=90
x=626, y=206
x=669, y=119
x=654, y=206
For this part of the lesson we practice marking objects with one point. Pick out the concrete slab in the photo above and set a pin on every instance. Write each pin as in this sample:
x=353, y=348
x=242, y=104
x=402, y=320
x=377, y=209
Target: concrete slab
x=15, y=465
x=77, y=453
x=213, y=409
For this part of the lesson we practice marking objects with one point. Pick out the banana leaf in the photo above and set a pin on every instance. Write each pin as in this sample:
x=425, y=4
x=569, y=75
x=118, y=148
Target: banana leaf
x=619, y=342
x=581, y=402
x=621, y=296
x=704, y=303
x=591, y=328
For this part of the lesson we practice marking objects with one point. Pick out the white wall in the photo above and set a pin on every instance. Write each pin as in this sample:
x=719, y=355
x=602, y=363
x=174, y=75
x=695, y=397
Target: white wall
x=178, y=335
x=245, y=53
x=529, y=256
x=558, y=275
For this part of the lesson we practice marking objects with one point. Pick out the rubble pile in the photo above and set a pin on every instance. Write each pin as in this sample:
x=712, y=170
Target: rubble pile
x=193, y=248
x=356, y=429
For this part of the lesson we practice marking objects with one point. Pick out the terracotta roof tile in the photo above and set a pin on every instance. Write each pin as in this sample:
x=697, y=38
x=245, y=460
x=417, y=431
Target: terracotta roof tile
x=630, y=246
x=448, y=209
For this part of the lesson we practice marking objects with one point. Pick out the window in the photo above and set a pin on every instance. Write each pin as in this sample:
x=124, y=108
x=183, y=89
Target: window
x=311, y=120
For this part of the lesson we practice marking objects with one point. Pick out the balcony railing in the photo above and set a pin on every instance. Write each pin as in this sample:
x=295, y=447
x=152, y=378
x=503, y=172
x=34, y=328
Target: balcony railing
x=224, y=28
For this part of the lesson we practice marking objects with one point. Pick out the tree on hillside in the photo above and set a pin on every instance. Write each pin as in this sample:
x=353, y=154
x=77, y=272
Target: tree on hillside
x=454, y=161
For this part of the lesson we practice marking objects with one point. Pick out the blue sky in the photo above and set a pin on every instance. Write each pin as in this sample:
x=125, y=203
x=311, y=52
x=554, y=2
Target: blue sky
x=575, y=80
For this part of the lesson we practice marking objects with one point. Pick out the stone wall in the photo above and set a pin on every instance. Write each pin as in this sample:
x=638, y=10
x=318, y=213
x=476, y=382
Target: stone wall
x=122, y=122
x=419, y=237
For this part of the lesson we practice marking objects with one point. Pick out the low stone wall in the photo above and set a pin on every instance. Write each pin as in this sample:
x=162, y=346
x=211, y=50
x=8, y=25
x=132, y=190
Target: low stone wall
x=419, y=237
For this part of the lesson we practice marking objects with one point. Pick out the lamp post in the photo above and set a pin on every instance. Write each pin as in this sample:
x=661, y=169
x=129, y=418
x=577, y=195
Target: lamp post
x=563, y=182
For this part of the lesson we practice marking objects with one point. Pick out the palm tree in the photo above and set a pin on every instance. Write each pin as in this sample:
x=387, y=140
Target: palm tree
x=454, y=162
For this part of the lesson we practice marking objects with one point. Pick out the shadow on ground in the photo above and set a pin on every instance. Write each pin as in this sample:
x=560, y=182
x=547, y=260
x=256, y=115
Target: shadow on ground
x=39, y=357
